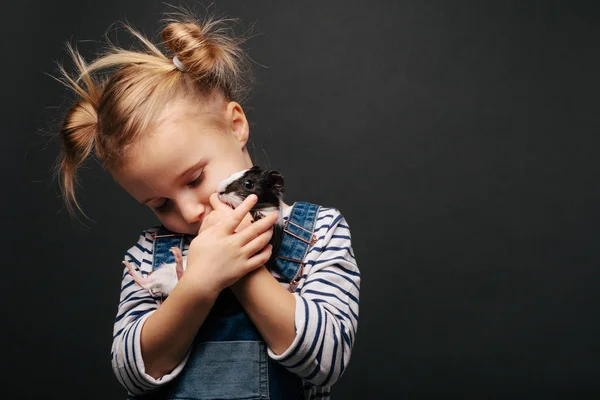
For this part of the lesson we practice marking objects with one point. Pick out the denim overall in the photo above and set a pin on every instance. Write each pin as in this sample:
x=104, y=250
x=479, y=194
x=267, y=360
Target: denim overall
x=228, y=358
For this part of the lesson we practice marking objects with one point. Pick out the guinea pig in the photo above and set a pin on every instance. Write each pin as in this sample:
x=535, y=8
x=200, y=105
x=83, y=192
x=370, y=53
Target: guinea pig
x=266, y=184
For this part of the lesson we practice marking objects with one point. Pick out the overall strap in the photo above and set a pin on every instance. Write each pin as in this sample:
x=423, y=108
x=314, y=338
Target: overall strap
x=297, y=236
x=163, y=241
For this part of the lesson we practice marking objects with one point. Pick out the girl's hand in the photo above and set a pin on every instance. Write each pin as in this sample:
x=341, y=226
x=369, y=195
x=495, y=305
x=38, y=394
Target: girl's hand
x=219, y=255
x=221, y=211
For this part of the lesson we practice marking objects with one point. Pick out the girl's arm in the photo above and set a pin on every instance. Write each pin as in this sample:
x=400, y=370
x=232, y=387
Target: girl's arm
x=313, y=335
x=270, y=306
x=169, y=331
x=150, y=343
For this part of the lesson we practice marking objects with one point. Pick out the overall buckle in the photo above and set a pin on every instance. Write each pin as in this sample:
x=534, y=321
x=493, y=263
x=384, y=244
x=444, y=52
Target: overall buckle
x=314, y=236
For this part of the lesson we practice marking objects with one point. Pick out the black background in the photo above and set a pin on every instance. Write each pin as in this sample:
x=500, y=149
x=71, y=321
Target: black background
x=458, y=138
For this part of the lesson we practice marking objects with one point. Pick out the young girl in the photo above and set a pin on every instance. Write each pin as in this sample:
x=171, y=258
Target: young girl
x=169, y=127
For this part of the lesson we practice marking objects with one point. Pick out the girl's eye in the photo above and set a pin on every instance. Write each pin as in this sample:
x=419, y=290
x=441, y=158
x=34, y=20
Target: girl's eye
x=248, y=184
x=160, y=209
x=196, y=181
x=163, y=207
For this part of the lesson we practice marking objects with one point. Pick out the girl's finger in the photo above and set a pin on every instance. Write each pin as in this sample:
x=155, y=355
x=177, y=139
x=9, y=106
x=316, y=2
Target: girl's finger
x=258, y=227
x=239, y=213
x=260, y=258
x=258, y=242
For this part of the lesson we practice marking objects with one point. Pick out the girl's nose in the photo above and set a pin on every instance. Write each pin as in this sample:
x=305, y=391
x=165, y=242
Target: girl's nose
x=192, y=212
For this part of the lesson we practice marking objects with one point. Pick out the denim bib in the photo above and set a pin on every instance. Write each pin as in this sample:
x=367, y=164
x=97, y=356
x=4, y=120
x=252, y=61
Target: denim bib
x=228, y=358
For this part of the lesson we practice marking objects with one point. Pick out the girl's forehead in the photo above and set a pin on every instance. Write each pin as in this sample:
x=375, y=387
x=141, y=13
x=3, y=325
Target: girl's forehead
x=182, y=128
x=189, y=112
x=179, y=142
x=184, y=132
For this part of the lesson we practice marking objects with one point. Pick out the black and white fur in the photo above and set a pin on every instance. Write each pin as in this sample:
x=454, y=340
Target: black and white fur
x=266, y=184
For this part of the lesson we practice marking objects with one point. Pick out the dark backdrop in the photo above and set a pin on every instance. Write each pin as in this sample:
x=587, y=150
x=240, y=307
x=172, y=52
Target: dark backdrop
x=459, y=139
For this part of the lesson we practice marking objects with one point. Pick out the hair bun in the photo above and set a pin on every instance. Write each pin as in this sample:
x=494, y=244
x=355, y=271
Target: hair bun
x=208, y=51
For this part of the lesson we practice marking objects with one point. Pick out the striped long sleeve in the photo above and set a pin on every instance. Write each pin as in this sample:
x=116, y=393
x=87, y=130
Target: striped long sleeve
x=135, y=306
x=326, y=314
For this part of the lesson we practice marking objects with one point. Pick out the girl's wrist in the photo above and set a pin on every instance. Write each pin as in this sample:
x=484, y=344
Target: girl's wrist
x=240, y=284
x=199, y=292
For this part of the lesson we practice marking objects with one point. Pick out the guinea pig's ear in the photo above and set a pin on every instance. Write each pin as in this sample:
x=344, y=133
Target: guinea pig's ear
x=277, y=180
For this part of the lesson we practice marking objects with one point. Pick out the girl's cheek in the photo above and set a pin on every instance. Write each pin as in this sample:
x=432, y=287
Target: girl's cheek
x=169, y=221
x=175, y=227
x=207, y=209
x=208, y=189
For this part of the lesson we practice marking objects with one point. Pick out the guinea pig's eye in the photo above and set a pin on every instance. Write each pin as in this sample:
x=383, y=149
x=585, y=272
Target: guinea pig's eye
x=248, y=184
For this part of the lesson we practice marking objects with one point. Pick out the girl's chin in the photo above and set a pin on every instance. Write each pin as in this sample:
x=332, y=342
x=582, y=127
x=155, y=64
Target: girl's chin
x=187, y=231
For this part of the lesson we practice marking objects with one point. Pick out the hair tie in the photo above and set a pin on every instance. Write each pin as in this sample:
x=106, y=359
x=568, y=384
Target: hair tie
x=179, y=64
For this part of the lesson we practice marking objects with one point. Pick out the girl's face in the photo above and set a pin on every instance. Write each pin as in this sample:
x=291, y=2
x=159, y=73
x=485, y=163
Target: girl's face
x=176, y=168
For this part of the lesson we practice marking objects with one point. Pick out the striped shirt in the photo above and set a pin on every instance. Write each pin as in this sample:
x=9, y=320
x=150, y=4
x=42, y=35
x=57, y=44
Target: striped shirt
x=326, y=315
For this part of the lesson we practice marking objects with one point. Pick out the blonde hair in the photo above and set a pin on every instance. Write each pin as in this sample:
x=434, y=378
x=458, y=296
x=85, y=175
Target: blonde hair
x=113, y=111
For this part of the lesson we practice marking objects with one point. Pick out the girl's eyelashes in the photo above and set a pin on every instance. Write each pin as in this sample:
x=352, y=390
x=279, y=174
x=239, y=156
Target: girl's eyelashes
x=165, y=205
x=196, y=181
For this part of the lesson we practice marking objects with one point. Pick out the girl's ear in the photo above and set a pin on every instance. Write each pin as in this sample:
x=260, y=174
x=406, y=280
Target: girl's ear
x=237, y=122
